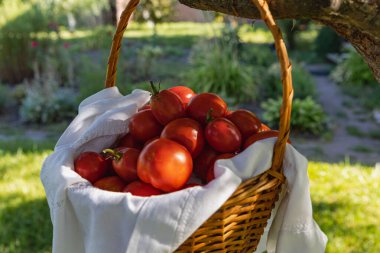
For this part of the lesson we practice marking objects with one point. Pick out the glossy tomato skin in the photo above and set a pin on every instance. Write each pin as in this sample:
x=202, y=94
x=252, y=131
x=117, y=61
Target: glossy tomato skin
x=210, y=171
x=144, y=126
x=261, y=136
x=246, y=122
x=128, y=141
x=145, y=107
x=138, y=188
x=125, y=163
x=113, y=184
x=184, y=93
x=186, y=132
x=91, y=166
x=204, y=161
x=165, y=164
x=200, y=105
x=167, y=106
x=223, y=136
x=264, y=128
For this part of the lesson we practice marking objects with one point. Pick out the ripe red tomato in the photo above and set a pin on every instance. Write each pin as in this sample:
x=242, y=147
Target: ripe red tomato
x=204, y=161
x=124, y=162
x=128, y=141
x=142, y=189
x=264, y=128
x=183, y=92
x=166, y=106
x=147, y=106
x=90, y=166
x=144, y=126
x=165, y=164
x=246, y=122
x=200, y=105
x=113, y=184
x=210, y=171
x=186, y=132
x=151, y=140
x=223, y=136
x=261, y=136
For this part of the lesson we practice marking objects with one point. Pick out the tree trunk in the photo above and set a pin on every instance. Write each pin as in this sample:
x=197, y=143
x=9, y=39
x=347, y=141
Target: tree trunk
x=358, y=21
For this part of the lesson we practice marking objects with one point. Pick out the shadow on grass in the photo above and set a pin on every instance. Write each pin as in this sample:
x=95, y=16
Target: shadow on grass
x=26, y=227
x=26, y=145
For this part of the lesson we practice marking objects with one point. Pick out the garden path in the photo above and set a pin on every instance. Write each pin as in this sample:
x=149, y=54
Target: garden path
x=354, y=136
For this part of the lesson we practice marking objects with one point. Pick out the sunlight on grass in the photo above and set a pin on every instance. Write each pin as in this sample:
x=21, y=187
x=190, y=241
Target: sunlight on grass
x=346, y=200
x=24, y=213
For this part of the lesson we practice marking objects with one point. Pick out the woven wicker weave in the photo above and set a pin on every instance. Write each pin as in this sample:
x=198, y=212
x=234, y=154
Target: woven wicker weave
x=238, y=225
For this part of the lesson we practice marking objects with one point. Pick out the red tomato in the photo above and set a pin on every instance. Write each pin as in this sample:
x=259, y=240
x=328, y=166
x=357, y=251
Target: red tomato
x=261, y=136
x=147, y=106
x=165, y=164
x=186, y=132
x=210, y=171
x=142, y=189
x=204, y=161
x=200, y=105
x=246, y=122
x=91, y=166
x=166, y=106
x=113, y=184
x=144, y=126
x=223, y=135
x=264, y=128
x=183, y=92
x=128, y=141
x=124, y=162
x=151, y=140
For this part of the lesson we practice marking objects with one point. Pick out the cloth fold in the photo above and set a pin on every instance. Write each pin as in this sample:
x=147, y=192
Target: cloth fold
x=87, y=219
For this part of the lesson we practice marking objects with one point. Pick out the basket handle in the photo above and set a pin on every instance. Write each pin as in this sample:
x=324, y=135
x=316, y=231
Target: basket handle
x=286, y=77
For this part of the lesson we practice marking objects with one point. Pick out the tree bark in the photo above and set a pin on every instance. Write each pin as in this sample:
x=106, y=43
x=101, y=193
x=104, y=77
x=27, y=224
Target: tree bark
x=358, y=21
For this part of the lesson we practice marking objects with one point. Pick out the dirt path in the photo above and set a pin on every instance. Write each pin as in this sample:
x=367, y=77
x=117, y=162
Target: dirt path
x=351, y=129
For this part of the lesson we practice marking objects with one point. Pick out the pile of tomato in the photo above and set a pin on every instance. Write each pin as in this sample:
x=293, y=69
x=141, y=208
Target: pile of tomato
x=176, y=135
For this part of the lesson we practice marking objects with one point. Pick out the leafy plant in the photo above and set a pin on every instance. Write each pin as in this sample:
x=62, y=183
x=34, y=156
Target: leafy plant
x=352, y=70
x=46, y=103
x=327, y=41
x=19, y=23
x=307, y=115
x=303, y=82
x=216, y=68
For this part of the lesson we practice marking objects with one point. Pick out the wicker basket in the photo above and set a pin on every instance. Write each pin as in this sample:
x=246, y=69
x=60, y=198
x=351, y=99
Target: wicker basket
x=238, y=225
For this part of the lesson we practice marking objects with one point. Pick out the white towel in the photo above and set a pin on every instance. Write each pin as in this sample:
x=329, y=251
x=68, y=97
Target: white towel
x=87, y=219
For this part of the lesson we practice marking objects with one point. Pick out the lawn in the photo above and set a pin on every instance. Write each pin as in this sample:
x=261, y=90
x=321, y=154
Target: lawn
x=346, y=202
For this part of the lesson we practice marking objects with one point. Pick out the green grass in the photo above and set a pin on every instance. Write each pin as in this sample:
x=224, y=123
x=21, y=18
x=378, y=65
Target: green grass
x=346, y=203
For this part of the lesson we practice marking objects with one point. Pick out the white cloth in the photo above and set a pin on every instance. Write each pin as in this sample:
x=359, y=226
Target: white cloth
x=86, y=219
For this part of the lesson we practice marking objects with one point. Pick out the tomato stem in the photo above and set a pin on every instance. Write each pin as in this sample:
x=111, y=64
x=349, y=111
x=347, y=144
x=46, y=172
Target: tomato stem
x=112, y=153
x=154, y=89
x=209, y=117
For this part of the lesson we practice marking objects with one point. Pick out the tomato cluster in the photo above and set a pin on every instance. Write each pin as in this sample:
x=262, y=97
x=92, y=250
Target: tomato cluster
x=178, y=134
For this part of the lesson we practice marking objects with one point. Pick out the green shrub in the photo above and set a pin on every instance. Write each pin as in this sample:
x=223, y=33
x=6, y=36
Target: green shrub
x=303, y=82
x=19, y=23
x=215, y=68
x=355, y=77
x=4, y=97
x=258, y=55
x=327, y=41
x=352, y=70
x=46, y=103
x=307, y=115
